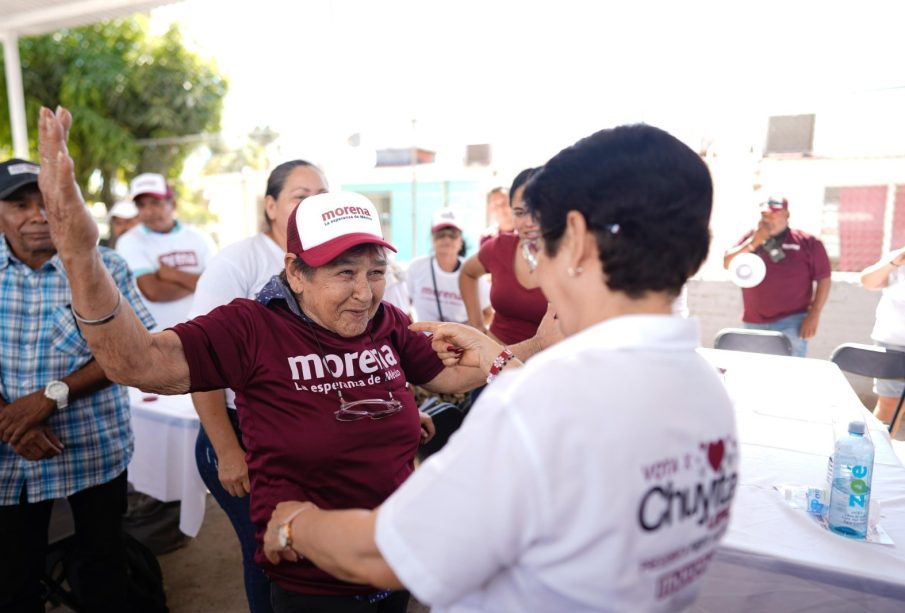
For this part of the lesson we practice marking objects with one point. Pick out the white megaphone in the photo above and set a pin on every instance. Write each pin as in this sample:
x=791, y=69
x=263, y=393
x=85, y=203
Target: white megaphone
x=747, y=270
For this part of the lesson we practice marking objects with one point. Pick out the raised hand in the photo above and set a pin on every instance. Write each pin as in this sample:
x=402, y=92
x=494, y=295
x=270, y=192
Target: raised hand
x=73, y=230
x=761, y=234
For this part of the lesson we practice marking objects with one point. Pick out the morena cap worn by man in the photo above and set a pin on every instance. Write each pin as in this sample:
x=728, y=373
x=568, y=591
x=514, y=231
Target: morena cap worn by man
x=323, y=226
x=124, y=209
x=16, y=173
x=775, y=204
x=151, y=184
x=444, y=218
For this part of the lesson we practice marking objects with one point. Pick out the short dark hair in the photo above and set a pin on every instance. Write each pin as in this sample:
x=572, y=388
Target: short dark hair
x=519, y=180
x=277, y=180
x=646, y=196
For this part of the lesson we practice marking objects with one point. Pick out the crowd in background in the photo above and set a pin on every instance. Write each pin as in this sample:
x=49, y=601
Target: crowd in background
x=586, y=255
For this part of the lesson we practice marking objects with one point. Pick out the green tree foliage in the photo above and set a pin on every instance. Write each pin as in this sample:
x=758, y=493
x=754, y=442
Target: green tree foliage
x=253, y=154
x=140, y=102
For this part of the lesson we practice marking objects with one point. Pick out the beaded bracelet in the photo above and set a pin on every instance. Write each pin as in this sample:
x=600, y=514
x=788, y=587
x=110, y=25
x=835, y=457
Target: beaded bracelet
x=498, y=363
x=102, y=320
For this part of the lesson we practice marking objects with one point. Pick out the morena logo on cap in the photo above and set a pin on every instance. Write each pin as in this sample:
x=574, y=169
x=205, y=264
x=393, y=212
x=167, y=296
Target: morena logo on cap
x=322, y=227
x=341, y=212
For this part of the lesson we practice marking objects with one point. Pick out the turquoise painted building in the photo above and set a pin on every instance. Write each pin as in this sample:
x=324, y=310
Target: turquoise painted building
x=408, y=226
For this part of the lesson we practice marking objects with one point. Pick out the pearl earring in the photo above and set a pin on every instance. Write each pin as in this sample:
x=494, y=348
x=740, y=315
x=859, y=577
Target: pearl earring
x=574, y=272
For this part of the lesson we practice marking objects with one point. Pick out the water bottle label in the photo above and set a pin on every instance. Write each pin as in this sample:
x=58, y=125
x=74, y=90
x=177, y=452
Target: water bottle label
x=858, y=486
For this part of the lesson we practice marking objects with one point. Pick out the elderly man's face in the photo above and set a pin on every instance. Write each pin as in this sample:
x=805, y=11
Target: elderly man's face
x=343, y=295
x=23, y=222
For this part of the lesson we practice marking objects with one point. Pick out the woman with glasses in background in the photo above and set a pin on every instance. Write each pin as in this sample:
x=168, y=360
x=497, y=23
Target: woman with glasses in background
x=318, y=362
x=518, y=303
x=433, y=280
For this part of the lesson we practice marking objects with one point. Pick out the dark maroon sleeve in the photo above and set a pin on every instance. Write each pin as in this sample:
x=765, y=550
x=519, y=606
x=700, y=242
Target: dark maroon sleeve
x=217, y=346
x=487, y=253
x=820, y=261
x=419, y=361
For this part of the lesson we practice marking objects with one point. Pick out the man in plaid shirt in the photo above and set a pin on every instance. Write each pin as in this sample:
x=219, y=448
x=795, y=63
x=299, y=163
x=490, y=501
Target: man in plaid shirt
x=64, y=427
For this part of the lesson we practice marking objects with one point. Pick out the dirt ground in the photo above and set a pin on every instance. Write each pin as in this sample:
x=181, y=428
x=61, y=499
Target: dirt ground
x=206, y=575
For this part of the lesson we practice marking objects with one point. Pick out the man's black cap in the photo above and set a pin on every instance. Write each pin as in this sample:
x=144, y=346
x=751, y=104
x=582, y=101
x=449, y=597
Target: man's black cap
x=16, y=173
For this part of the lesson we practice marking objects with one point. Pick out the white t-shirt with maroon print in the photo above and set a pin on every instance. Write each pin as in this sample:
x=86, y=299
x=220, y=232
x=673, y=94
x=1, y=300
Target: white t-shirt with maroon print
x=598, y=477
x=183, y=247
x=425, y=295
x=285, y=384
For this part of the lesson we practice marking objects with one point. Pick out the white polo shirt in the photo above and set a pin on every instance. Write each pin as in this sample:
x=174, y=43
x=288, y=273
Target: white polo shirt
x=425, y=295
x=596, y=478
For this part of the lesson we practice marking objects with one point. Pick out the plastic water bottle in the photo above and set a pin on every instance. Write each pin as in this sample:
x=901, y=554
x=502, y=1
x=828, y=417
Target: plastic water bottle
x=853, y=469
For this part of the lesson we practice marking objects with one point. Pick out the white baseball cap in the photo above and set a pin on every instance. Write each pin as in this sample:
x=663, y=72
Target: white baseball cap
x=444, y=218
x=124, y=209
x=323, y=226
x=152, y=184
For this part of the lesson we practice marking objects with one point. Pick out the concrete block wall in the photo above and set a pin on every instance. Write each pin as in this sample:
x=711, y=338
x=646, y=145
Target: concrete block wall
x=848, y=317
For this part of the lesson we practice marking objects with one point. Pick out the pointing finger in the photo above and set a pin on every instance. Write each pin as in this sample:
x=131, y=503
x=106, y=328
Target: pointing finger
x=425, y=326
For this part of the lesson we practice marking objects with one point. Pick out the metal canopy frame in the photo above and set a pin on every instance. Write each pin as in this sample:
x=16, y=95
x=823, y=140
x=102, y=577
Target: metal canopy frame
x=33, y=17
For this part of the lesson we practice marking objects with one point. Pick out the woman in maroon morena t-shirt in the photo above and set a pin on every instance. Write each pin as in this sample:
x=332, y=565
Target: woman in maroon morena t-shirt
x=518, y=303
x=319, y=366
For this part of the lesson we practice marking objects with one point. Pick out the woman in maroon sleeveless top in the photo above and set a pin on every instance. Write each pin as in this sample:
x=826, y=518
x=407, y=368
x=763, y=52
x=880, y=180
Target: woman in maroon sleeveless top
x=517, y=301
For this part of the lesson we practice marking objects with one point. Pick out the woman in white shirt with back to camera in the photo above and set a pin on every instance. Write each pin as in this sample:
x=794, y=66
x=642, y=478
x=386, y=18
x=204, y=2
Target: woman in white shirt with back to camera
x=240, y=271
x=433, y=281
x=889, y=328
x=598, y=476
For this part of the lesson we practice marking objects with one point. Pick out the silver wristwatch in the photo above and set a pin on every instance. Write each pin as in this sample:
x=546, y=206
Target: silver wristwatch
x=58, y=392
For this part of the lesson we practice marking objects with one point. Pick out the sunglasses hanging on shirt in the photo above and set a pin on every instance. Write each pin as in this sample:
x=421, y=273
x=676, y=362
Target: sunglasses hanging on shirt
x=373, y=408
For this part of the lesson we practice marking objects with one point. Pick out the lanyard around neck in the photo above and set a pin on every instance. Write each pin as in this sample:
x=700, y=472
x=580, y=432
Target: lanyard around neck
x=436, y=292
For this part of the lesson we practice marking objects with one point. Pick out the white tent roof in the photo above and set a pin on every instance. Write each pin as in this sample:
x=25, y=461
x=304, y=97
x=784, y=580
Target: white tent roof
x=30, y=17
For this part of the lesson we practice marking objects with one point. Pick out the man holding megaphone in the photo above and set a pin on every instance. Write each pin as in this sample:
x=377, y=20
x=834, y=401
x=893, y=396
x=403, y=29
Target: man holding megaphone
x=795, y=275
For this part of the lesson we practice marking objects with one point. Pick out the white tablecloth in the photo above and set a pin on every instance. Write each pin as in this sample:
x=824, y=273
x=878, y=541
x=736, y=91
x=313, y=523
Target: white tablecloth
x=775, y=558
x=163, y=465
